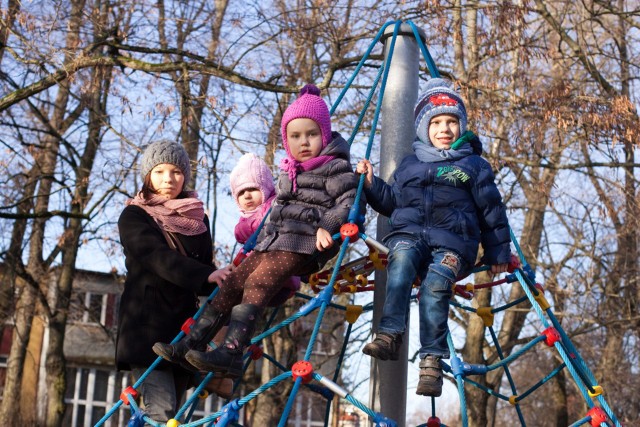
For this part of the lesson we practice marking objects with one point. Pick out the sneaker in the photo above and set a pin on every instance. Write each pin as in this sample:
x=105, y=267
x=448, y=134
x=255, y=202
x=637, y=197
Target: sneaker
x=384, y=347
x=430, y=383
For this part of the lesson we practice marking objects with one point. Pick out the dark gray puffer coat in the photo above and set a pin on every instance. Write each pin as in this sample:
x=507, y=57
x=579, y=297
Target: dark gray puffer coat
x=323, y=199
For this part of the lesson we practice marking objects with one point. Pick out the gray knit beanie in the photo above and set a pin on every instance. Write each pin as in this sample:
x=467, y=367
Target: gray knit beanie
x=439, y=98
x=165, y=151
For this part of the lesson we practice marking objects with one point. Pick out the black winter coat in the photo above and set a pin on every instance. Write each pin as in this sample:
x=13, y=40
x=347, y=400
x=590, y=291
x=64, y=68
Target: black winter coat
x=161, y=287
x=450, y=204
x=322, y=199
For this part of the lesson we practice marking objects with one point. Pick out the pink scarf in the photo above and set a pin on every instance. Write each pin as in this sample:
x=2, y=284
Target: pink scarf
x=292, y=166
x=184, y=216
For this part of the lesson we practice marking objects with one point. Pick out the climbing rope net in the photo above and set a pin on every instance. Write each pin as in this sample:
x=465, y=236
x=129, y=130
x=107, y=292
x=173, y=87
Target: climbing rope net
x=352, y=277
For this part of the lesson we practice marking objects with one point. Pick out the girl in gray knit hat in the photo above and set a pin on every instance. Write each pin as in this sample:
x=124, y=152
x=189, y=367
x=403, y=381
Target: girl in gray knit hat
x=168, y=252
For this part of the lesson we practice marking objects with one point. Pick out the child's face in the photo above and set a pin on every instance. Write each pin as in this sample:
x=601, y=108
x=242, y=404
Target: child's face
x=304, y=138
x=444, y=130
x=167, y=180
x=249, y=199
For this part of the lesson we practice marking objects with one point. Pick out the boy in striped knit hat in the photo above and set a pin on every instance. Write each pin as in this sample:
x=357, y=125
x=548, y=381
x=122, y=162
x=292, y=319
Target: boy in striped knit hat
x=442, y=205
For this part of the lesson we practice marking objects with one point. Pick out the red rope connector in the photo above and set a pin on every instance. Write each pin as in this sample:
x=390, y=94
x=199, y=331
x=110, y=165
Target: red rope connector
x=302, y=369
x=124, y=396
x=256, y=351
x=598, y=416
x=552, y=334
x=462, y=291
x=433, y=422
x=349, y=230
x=186, y=326
x=239, y=258
x=514, y=264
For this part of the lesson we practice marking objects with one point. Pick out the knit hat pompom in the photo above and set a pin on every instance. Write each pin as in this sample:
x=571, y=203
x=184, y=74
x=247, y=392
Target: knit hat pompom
x=251, y=172
x=438, y=98
x=166, y=151
x=310, y=89
x=309, y=105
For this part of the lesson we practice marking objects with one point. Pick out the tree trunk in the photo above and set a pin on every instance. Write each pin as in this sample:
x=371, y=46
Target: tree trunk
x=36, y=267
x=7, y=23
x=55, y=361
x=473, y=352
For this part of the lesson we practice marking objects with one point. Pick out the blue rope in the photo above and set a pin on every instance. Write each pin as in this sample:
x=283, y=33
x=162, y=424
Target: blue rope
x=459, y=381
x=433, y=70
x=358, y=67
x=507, y=373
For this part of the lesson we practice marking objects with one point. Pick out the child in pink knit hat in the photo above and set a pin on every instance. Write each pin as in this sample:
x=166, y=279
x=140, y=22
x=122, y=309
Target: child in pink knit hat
x=253, y=190
x=315, y=191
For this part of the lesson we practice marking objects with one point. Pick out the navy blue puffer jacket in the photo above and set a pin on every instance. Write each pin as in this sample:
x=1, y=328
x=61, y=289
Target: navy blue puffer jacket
x=451, y=204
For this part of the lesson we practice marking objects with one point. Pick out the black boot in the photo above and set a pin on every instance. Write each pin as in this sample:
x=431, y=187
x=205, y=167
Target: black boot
x=226, y=360
x=203, y=331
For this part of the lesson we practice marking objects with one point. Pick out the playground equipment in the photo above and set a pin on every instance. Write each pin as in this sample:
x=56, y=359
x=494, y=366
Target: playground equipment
x=353, y=277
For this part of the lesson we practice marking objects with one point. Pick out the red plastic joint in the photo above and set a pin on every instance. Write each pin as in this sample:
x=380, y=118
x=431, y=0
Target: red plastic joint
x=552, y=334
x=598, y=416
x=302, y=369
x=186, y=326
x=539, y=287
x=349, y=230
x=514, y=264
x=239, y=258
x=124, y=396
x=462, y=291
x=433, y=422
x=256, y=351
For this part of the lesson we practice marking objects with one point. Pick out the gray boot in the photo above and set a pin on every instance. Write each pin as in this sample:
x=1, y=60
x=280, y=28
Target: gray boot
x=226, y=360
x=384, y=347
x=203, y=331
x=430, y=383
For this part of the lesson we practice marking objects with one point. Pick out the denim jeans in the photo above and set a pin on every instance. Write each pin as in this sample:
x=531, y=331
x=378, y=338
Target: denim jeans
x=438, y=268
x=162, y=390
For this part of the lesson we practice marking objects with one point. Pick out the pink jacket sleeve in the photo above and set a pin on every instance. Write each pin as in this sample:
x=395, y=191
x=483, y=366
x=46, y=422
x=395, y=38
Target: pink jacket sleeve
x=246, y=226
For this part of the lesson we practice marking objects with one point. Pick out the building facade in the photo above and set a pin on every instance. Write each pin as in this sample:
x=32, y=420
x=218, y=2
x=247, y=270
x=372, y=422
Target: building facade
x=93, y=384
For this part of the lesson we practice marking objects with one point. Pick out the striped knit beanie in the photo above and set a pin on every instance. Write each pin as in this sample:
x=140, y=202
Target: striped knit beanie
x=438, y=98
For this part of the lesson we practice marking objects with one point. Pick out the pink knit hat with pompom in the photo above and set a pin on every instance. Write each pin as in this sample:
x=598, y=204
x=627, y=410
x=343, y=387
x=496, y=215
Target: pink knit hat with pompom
x=251, y=172
x=309, y=105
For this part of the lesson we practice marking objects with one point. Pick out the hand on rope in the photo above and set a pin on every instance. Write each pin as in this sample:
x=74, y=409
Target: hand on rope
x=364, y=168
x=324, y=240
x=499, y=268
x=220, y=274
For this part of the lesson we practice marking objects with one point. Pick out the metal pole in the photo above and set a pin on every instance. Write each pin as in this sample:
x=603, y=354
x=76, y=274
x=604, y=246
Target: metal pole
x=388, y=384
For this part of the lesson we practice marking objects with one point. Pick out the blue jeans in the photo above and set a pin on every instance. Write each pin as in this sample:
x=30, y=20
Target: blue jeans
x=438, y=268
x=162, y=390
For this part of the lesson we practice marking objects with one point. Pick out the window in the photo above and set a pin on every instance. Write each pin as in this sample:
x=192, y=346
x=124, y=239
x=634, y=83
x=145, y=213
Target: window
x=90, y=394
x=89, y=307
x=309, y=410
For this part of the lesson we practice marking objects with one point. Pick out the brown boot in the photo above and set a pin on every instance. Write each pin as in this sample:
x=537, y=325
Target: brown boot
x=430, y=383
x=384, y=347
x=222, y=387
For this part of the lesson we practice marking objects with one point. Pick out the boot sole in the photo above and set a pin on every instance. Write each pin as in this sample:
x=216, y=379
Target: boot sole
x=160, y=351
x=221, y=372
x=428, y=391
